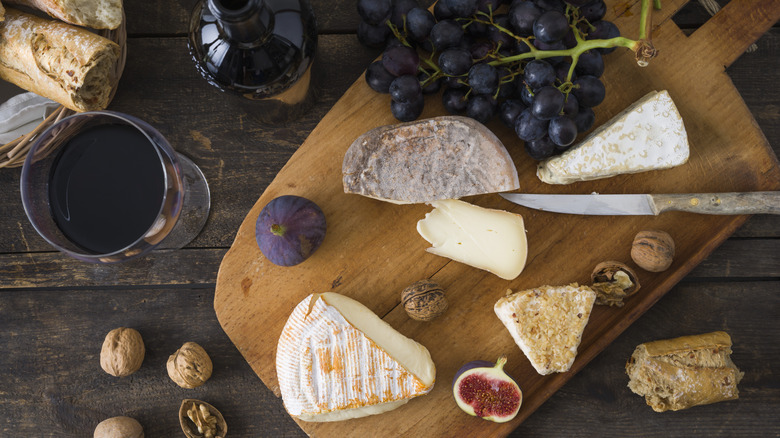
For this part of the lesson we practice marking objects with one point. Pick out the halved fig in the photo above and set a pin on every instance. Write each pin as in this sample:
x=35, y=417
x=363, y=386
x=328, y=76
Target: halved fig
x=289, y=229
x=483, y=389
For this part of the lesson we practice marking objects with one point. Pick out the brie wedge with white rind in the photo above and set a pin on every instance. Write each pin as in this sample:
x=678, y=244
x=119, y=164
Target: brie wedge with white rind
x=338, y=360
x=493, y=240
x=425, y=160
x=547, y=323
x=648, y=135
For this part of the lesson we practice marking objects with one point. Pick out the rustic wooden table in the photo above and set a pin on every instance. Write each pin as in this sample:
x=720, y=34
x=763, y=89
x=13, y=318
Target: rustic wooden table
x=55, y=311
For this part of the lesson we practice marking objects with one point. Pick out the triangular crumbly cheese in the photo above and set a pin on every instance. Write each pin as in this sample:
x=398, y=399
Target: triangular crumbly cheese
x=330, y=370
x=547, y=323
x=648, y=135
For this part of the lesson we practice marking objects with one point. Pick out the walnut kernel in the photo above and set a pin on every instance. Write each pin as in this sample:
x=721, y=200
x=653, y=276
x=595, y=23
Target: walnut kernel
x=119, y=427
x=653, y=250
x=424, y=300
x=190, y=366
x=122, y=352
x=613, y=282
x=199, y=419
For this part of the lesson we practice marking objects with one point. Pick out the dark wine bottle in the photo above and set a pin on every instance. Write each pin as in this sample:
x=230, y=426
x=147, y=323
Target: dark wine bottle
x=262, y=50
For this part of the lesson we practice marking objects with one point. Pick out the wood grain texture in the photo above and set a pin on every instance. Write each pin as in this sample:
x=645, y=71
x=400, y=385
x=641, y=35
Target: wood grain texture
x=54, y=312
x=374, y=263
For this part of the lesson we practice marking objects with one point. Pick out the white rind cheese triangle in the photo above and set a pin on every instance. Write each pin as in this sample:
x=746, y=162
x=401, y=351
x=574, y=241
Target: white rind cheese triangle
x=338, y=360
x=547, y=323
x=489, y=239
x=648, y=135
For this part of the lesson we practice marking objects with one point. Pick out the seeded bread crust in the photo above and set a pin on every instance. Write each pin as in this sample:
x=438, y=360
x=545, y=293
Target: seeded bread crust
x=65, y=63
x=97, y=14
x=679, y=373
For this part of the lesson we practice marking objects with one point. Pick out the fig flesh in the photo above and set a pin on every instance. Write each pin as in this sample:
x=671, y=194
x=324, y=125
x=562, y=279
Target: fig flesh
x=484, y=390
x=289, y=229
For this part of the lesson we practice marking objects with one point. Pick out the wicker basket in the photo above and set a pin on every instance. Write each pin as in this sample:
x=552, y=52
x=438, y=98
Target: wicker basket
x=13, y=154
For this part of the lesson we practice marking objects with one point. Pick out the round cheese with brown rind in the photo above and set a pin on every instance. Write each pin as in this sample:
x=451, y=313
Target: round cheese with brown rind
x=445, y=157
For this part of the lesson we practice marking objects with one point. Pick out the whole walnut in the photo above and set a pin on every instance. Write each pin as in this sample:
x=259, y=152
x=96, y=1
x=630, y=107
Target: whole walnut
x=119, y=427
x=190, y=366
x=123, y=352
x=424, y=300
x=653, y=250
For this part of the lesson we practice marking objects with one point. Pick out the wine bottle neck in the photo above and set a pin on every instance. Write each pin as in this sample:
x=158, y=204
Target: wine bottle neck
x=244, y=21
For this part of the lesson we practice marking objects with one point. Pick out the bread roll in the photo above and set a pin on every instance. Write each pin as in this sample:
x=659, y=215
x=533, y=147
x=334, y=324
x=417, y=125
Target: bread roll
x=679, y=373
x=97, y=14
x=65, y=63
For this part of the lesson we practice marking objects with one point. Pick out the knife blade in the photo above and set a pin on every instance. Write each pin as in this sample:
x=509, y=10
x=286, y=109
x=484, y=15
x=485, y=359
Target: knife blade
x=734, y=203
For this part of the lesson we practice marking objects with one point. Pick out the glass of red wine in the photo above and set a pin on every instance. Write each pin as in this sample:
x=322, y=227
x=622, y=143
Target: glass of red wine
x=105, y=187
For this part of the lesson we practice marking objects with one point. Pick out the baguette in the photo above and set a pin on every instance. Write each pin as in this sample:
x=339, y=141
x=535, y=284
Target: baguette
x=65, y=63
x=97, y=14
x=675, y=374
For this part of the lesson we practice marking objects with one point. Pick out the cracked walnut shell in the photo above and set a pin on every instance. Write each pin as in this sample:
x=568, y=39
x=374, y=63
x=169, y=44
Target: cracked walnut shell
x=613, y=282
x=199, y=419
x=190, y=366
x=122, y=352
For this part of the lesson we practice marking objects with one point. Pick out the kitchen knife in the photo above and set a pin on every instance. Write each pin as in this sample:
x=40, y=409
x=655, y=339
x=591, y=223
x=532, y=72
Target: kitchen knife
x=704, y=203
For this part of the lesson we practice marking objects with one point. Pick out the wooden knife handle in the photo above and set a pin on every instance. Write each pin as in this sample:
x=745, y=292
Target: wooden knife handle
x=720, y=203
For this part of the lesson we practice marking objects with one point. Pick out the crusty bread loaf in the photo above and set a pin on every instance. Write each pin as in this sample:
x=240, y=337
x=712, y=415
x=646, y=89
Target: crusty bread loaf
x=679, y=373
x=65, y=63
x=97, y=14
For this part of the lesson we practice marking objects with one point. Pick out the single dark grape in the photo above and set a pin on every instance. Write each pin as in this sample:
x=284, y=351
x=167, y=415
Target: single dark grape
x=551, y=5
x=571, y=106
x=461, y=8
x=480, y=50
x=488, y=5
x=584, y=119
x=372, y=36
x=431, y=87
x=419, y=23
x=401, y=61
x=405, y=89
x=506, y=83
x=441, y=11
x=455, y=62
x=483, y=78
x=455, y=82
x=481, y=108
x=454, y=100
x=528, y=127
x=378, y=78
x=562, y=130
x=590, y=63
x=477, y=30
x=594, y=11
x=374, y=12
x=399, y=11
x=407, y=111
x=526, y=94
x=603, y=30
x=551, y=26
x=558, y=45
x=569, y=40
x=522, y=15
x=589, y=91
x=541, y=148
x=548, y=103
x=446, y=34
x=509, y=110
x=562, y=72
x=539, y=73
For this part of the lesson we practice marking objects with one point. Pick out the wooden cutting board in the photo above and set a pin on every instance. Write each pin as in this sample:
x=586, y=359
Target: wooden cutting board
x=372, y=250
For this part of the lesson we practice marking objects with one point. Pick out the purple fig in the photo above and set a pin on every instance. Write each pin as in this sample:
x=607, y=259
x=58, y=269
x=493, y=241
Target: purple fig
x=483, y=389
x=289, y=229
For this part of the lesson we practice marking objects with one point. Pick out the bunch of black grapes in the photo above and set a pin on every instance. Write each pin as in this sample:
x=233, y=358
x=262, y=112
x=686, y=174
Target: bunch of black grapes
x=468, y=50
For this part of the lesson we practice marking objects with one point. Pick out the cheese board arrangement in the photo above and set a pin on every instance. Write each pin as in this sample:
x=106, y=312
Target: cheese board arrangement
x=389, y=289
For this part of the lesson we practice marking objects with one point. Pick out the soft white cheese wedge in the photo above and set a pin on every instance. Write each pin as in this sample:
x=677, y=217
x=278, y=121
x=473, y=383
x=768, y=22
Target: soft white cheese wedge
x=338, y=360
x=493, y=240
x=648, y=135
x=547, y=323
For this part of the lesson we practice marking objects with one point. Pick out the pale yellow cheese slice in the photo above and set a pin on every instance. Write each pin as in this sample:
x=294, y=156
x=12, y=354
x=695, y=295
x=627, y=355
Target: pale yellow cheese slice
x=547, y=323
x=489, y=239
x=338, y=360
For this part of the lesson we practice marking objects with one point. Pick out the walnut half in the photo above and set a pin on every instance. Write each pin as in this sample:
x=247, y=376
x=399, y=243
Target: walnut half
x=201, y=420
x=613, y=282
